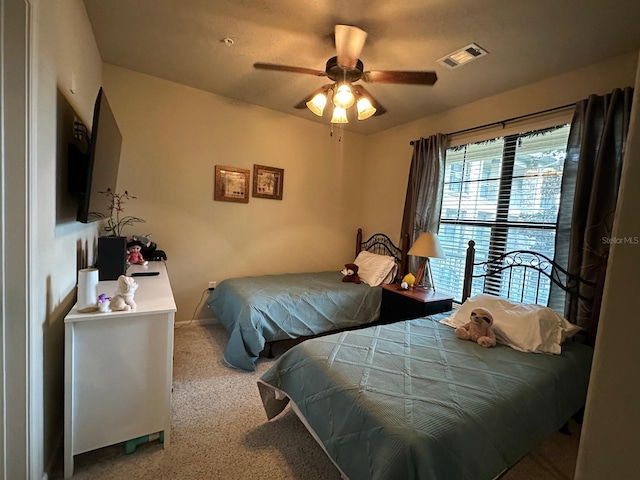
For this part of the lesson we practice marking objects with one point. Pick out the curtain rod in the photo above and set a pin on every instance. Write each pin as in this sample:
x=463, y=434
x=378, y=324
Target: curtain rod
x=504, y=122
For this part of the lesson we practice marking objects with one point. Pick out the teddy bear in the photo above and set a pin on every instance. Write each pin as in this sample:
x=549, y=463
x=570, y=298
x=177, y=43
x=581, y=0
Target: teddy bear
x=123, y=300
x=350, y=273
x=478, y=328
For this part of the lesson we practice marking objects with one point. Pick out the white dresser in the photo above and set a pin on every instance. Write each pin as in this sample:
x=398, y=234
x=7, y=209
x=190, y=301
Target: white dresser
x=118, y=368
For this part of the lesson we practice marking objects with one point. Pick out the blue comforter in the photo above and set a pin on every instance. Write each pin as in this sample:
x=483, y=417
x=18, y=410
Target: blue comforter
x=256, y=310
x=412, y=401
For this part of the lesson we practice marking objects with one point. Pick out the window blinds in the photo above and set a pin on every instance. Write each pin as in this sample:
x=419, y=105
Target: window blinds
x=504, y=194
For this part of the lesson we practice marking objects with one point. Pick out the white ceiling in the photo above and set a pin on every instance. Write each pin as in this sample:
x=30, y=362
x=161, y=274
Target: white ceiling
x=527, y=40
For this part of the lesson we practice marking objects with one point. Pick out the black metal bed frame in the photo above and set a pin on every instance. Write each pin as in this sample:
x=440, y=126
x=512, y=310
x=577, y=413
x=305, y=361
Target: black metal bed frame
x=539, y=264
x=527, y=260
x=381, y=244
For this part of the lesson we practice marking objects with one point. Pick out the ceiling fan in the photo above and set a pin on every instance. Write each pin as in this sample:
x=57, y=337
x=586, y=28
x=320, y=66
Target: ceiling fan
x=344, y=69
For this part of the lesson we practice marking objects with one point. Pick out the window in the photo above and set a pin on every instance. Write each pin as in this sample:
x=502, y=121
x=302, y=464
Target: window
x=455, y=177
x=504, y=194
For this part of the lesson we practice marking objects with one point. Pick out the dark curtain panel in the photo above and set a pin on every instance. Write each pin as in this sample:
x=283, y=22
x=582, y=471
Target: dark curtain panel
x=424, y=190
x=595, y=150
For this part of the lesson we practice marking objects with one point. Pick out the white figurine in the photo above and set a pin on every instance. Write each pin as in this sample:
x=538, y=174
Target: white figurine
x=123, y=300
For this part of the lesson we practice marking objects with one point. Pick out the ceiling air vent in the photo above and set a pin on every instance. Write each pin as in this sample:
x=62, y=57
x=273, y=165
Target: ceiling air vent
x=462, y=56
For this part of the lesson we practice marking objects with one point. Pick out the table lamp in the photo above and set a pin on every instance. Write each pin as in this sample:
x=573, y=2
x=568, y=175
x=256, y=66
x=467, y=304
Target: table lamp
x=427, y=245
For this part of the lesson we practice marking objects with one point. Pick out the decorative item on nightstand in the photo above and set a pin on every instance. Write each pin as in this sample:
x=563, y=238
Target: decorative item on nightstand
x=426, y=246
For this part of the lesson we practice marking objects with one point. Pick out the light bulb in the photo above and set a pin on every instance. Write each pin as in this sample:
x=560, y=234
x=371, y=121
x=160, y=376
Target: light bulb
x=365, y=109
x=339, y=115
x=317, y=104
x=344, y=97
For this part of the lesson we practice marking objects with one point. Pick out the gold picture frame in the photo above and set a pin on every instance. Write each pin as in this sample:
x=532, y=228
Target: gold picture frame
x=231, y=184
x=268, y=182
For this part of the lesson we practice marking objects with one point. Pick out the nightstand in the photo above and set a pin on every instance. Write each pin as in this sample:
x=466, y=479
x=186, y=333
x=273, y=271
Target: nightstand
x=398, y=304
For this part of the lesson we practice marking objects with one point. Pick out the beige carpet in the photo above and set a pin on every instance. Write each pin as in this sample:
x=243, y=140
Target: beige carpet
x=220, y=431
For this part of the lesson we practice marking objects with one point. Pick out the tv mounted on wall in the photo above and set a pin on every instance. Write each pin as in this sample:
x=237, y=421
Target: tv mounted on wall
x=93, y=168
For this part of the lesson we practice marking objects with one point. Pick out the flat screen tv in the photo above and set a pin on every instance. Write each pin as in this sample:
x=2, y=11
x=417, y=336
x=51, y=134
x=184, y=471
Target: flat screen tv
x=94, y=169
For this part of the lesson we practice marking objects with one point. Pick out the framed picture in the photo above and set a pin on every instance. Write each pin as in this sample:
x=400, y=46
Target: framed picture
x=268, y=182
x=231, y=184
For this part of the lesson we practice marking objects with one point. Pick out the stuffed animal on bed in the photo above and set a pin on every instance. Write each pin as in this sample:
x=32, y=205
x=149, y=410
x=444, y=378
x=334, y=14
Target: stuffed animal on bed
x=350, y=273
x=478, y=328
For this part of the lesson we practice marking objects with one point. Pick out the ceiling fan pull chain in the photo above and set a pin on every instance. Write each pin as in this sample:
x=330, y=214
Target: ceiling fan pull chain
x=339, y=135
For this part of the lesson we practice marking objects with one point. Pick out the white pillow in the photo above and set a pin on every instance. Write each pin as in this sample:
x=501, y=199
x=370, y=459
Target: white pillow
x=524, y=327
x=375, y=269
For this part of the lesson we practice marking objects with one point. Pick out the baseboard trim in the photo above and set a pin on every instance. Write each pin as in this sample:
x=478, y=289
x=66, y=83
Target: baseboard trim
x=196, y=322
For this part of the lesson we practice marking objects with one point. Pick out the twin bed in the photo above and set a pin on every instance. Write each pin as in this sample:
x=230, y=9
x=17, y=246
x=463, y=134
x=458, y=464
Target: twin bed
x=410, y=400
x=259, y=310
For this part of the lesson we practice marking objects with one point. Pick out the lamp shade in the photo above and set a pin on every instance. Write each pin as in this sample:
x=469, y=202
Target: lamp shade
x=339, y=115
x=427, y=245
x=365, y=109
x=317, y=104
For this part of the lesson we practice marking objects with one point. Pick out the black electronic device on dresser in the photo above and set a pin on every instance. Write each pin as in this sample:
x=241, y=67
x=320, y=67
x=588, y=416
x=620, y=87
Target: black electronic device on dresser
x=158, y=256
x=400, y=304
x=112, y=257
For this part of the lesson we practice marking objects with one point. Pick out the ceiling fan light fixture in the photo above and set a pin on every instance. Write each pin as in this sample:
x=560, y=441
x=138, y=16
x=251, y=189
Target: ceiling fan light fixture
x=344, y=97
x=365, y=109
x=345, y=69
x=339, y=115
x=317, y=104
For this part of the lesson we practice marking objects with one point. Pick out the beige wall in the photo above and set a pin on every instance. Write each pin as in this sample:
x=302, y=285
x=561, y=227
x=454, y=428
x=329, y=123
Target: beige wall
x=609, y=437
x=173, y=136
x=388, y=153
x=64, y=47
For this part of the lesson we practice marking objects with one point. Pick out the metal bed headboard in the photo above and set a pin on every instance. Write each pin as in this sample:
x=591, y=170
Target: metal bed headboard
x=381, y=244
x=535, y=267
x=540, y=265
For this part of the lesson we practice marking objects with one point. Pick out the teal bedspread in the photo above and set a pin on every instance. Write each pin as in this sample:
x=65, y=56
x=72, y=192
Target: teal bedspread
x=409, y=400
x=256, y=310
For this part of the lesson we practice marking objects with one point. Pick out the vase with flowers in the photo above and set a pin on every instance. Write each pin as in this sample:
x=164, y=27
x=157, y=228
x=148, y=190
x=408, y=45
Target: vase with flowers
x=112, y=247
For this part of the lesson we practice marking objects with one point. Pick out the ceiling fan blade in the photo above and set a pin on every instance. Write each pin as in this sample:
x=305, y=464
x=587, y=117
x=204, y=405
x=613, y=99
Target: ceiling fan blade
x=287, y=68
x=400, y=77
x=360, y=90
x=349, y=43
x=303, y=103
